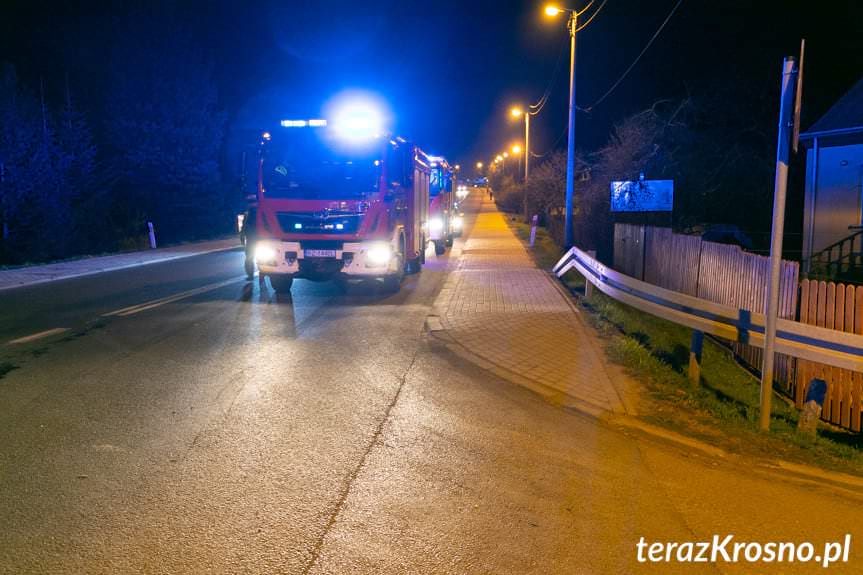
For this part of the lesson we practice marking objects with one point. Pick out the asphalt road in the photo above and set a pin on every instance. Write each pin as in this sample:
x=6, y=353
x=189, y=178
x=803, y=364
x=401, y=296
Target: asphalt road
x=189, y=422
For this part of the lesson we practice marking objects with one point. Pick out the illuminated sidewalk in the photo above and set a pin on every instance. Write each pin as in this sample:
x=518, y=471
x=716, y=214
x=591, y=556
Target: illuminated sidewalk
x=36, y=274
x=501, y=308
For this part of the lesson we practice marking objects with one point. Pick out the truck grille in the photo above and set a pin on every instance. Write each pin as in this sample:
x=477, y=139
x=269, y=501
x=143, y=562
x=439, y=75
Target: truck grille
x=317, y=223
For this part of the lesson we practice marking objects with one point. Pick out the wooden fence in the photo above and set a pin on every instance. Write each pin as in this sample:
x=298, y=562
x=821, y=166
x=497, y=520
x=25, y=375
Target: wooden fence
x=716, y=272
x=730, y=276
x=840, y=307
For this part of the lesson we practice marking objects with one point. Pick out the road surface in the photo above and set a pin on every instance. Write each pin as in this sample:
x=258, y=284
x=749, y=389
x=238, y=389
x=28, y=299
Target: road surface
x=177, y=419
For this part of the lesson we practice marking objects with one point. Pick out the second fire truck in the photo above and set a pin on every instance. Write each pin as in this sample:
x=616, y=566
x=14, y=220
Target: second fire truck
x=441, y=207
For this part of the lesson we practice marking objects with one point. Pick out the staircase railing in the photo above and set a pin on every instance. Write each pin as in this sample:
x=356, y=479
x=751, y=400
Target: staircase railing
x=841, y=258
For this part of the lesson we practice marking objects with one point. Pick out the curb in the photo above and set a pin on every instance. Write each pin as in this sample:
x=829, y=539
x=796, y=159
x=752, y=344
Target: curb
x=811, y=476
x=553, y=396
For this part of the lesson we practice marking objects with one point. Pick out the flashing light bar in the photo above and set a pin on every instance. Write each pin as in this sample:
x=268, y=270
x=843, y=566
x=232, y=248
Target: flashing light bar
x=315, y=123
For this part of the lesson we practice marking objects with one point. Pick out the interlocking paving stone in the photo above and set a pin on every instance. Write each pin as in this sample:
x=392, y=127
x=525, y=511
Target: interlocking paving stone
x=500, y=307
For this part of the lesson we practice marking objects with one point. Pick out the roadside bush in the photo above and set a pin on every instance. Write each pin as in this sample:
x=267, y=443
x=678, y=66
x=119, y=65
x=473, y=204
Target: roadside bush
x=509, y=195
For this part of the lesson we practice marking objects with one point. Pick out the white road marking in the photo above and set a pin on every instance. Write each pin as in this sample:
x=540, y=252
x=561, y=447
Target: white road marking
x=170, y=299
x=40, y=335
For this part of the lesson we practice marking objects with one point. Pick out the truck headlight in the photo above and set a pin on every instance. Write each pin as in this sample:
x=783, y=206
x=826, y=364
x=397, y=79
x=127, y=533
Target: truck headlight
x=265, y=254
x=457, y=222
x=379, y=255
x=435, y=224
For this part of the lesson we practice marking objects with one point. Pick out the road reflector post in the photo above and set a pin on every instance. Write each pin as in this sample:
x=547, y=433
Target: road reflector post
x=811, y=412
x=152, y=235
x=695, y=346
x=533, y=221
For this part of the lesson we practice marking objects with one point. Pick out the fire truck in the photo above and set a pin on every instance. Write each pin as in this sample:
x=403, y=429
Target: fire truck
x=337, y=202
x=442, y=217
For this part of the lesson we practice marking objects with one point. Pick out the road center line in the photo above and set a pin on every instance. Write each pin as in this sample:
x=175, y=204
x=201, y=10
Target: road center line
x=39, y=335
x=169, y=299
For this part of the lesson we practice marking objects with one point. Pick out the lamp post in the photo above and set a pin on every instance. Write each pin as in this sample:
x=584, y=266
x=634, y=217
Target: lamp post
x=516, y=151
x=518, y=112
x=572, y=24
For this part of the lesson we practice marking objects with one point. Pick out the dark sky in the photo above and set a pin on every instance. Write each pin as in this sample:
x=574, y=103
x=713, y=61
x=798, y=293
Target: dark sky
x=450, y=69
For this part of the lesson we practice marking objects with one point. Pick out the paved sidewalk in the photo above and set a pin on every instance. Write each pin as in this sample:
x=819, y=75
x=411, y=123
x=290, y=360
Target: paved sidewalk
x=28, y=275
x=500, y=307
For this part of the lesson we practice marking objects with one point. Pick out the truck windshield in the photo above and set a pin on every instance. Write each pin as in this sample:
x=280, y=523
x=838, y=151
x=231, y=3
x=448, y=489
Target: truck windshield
x=440, y=181
x=304, y=165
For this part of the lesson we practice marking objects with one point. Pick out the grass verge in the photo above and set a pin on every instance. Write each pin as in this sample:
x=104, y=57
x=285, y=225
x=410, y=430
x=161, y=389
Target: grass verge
x=723, y=409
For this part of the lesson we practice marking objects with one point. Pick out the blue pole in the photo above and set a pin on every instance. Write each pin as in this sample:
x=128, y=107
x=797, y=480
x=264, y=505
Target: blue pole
x=570, y=140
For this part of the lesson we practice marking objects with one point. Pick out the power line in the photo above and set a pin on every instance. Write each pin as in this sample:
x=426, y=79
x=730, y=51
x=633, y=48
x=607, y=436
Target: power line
x=634, y=62
x=537, y=108
x=553, y=146
x=592, y=16
x=585, y=9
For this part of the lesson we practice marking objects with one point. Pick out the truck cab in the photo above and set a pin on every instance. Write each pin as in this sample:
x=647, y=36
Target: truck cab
x=337, y=208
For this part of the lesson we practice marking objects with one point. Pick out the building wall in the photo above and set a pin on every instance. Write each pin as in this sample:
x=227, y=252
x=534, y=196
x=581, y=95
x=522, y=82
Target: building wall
x=833, y=195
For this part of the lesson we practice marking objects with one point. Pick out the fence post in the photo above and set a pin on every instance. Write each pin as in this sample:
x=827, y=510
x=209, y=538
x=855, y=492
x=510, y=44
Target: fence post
x=695, y=347
x=533, y=221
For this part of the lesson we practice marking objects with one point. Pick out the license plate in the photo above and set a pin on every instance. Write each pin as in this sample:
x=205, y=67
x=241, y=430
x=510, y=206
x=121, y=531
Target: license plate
x=320, y=253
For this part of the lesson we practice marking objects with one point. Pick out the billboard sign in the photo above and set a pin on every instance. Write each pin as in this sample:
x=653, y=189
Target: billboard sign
x=642, y=196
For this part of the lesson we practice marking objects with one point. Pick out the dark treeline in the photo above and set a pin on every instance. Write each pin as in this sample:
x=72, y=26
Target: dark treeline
x=84, y=165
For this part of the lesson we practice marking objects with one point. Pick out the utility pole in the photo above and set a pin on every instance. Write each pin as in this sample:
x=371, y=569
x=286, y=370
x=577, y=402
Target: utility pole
x=783, y=148
x=526, y=159
x=526, y=145
x=570, y=140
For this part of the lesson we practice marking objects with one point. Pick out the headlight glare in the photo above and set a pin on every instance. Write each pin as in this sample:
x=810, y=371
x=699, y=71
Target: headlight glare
x=436, y=224
x=379, y=255
x=265, y=254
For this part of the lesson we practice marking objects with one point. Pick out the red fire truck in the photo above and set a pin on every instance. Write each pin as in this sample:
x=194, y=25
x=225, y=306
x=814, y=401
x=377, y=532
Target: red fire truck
x=442, y=218
x=339, y=202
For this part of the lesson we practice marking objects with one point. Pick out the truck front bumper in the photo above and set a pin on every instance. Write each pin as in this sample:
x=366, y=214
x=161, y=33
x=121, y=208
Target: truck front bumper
x=354, y=259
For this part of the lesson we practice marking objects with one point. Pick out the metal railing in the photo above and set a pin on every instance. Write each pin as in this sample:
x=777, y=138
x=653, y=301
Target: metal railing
x=827, y=346
x=839, y=258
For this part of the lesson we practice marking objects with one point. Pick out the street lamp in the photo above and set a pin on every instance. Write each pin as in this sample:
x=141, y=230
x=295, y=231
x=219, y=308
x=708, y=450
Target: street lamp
x=516, y=151
x=552, y=11
x=517, y=112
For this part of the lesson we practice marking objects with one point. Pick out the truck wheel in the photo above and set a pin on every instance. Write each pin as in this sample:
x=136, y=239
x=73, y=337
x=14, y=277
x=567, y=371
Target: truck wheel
x=439, y=247
x=393, y=283
x=450, y=240
x=341, y=283
x=281, y=283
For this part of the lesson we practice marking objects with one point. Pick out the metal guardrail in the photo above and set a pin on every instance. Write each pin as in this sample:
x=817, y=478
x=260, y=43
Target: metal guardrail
x=831, y=347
